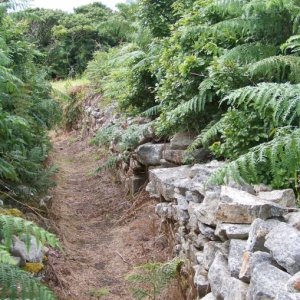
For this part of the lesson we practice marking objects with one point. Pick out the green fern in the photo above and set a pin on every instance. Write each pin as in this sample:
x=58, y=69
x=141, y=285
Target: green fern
x=18, y=284
x=152, y=111
x=5, y=257
x=292, y=45
x=248, y=53
x=209, y=133
x=280, y=101
x=277, y=68
x=149, y=280
x=277, y=161
x=10, y=226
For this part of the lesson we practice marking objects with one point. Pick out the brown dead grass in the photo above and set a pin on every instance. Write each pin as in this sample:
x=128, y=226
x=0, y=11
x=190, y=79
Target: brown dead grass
x=104, y=234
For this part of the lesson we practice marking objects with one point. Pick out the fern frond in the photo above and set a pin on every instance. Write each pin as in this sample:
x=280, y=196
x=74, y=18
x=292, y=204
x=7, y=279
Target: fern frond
x=277, y=68
x=281, y=101
x=197, y=103
x=152, y=111
x=248, y=53
x=5, y=257
x=207, y=134
x=280, y=158
x=17, y=284
x=10, y=226
x=292, y=45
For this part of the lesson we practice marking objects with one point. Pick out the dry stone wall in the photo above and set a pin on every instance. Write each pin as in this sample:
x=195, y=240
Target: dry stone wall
x=243, y=242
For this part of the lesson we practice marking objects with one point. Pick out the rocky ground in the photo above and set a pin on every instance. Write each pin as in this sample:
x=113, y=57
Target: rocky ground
x=104, y=234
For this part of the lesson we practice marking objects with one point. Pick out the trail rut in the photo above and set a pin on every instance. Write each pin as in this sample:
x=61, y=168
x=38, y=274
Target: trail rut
x=98, y=249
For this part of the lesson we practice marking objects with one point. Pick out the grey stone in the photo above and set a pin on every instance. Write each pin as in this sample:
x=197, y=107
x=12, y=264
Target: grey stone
x=46, y=202
x=198, y=240
x=207, y=231
x=165, y=210
x=266, y=282
x=293, y=285
x=182, y=215
x=150, y=154
x=174, y=156
x=167, y=164
x=194, y=197
x=201, y=281
x=205, y=212
x=241, y=207
x=257, y=235
x=236, y=290
x=293, y=219
x=261, y=188
x=250, y=260
x=163, y=182
x=209, y=296
x=235, y=257
x=136, y=166
x=282, y=295
x=199, y=257
x=209, y=252
x=284, y=243
x=218, y=276
x=32, y=254
x=182, y=140
x=282, y=197
x=232, y=231
x=136, y=183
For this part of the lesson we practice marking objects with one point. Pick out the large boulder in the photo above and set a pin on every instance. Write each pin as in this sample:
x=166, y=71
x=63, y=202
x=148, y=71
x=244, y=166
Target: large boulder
x=284, y=244
x=267, y=282
x=150, y=154
x=240, y=207
x=282, y=197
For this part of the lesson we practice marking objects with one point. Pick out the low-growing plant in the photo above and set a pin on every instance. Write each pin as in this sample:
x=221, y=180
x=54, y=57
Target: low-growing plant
x=150, y=279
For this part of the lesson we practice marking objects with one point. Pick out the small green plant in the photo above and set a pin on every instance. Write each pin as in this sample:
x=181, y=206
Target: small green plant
x=99, y=293
x=149, y=280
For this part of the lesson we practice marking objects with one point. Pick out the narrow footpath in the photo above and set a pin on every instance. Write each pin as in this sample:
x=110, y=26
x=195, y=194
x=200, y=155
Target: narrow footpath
x=104, y=234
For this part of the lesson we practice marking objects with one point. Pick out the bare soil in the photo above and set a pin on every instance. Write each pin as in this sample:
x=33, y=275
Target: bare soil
x=103, y=232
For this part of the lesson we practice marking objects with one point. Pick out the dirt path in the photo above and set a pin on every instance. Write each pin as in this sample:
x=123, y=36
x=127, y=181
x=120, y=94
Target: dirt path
x=86, y=209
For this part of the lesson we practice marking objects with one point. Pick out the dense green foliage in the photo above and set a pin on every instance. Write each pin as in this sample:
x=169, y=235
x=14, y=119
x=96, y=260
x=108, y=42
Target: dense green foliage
x=67, y=41
x=26, y=113
x=228, y=70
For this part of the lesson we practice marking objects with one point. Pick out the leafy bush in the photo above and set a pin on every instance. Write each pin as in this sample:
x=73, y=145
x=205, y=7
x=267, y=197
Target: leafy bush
x=27, y=112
